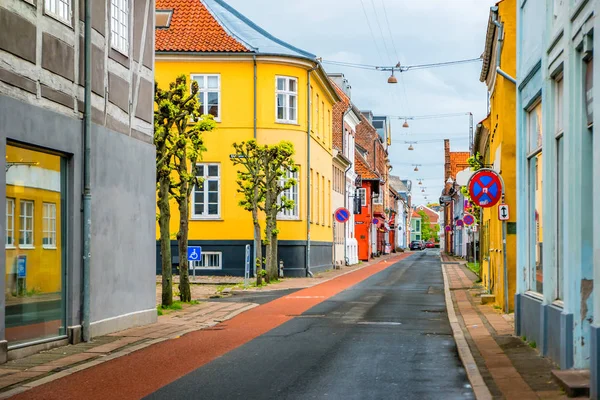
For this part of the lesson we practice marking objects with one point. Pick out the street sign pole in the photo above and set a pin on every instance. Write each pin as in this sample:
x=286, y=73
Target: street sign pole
x=247, y=267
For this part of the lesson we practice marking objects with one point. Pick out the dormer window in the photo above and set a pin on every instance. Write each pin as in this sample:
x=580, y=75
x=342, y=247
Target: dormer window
x=163, y=18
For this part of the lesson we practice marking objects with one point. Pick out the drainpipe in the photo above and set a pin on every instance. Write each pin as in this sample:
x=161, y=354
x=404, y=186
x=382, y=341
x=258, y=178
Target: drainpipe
x=254, y=126
x=308, y=122
x=500, y=44
x=87, y=192
x=345, y=178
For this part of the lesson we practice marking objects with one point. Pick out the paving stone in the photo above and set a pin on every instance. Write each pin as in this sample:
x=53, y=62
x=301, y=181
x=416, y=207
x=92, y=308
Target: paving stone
x=107, y=348
x=9, y=380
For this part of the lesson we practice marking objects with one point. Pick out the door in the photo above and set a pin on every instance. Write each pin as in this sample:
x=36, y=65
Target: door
x=364, y=244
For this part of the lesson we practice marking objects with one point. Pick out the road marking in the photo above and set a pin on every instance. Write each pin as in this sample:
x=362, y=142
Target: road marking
x=304, y=297
x=379, y=323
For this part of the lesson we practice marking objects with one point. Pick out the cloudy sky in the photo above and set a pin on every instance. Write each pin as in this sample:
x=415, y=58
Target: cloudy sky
x=412, y=32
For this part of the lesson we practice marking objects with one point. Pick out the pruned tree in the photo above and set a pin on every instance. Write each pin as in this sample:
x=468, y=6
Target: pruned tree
x=178, y=126
x=278, y=164
x=428, y=232
x=250, y=181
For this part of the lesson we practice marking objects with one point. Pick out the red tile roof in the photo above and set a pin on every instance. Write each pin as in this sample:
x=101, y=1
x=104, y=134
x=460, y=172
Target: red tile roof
x=193, y=28
x=362, y=168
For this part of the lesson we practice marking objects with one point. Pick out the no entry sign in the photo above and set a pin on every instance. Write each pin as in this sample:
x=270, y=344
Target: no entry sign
x=342, y=215
x=485, y=187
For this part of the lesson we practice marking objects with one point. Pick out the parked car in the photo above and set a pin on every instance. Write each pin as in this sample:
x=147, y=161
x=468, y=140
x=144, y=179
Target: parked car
x=430, y=245
x=416, y=245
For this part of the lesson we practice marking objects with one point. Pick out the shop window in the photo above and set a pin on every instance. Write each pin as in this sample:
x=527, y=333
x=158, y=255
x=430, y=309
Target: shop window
x=34, y=290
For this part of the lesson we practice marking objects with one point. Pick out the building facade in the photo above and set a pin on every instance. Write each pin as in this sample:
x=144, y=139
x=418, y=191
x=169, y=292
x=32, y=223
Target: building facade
x=454, y=162
x=257, y=87
x=42, y=90
x=495, y=141
x=558, y=170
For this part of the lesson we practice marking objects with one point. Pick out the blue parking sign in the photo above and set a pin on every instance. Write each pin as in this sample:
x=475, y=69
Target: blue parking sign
x=22, y=267
x=194, y=253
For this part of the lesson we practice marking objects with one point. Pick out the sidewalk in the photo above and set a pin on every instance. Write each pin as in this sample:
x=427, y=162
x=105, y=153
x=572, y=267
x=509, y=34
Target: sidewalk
x=510, y=368
x=21, y=375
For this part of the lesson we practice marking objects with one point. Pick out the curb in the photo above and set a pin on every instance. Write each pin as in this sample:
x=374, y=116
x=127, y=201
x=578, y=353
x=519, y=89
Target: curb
x=480, y=389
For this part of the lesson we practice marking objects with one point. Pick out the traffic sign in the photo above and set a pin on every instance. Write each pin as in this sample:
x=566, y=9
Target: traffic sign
x=448, y=228
x=460, y=223
x=485, y=188
x=342, y=215
x=375, y=221
x=503, y=214
x=22, y=266
x=194, y=253
x=468, y=219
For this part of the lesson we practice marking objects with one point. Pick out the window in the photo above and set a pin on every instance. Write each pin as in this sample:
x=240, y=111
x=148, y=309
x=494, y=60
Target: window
x=291, y=194
x=310, y=196
x=318, y=202
x=323, y=200
x=26, y=224
x=317, y=120
x=417, y=225
x=328, y=130
x=287, y=99
x=61, y=9
x=207, y=195
x=209, y=94
x=362, y=194
x=49, y=226
x=322, y=121
x=535, y=183
x=119, y=25
x=163, y=18
x=208, y=260
x=329, y=202
x=377, y=198
x=10, y=223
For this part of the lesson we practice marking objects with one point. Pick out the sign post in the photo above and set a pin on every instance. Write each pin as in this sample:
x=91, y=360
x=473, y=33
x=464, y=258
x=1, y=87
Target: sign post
x=247, y=267
x=21, y=274
x=486, y=187
x=194, y=254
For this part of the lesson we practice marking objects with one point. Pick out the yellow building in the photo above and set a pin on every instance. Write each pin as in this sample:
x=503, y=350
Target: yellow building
x=495, y=140
x=256, y=86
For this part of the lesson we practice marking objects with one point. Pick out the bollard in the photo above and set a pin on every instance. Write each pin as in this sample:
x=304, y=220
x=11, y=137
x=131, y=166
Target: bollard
x=281, y=268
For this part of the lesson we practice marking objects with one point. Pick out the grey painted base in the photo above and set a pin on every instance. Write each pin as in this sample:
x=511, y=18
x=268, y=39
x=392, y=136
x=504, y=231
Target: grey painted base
x=595, y=362
x=122, y=322
x=291, y=252
x=546, y=325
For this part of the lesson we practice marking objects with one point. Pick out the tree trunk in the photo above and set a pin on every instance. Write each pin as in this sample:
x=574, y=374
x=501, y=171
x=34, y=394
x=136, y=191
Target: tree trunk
x=182, y=236
x=269, y=226
x=258, y=247
x=274, y=268
x=165, y=240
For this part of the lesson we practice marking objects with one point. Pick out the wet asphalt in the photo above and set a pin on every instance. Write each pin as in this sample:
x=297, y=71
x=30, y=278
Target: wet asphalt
x=387, y=337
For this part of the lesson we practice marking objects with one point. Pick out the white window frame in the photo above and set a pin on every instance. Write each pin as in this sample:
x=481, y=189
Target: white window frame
x=206, y=178
x=194, y=265
x=119, y=25
x=49, y=225
x=362, y=193
x=294, y=213
x=378, y=200
x=61, y=10
x=10, y=216
x=203, y=93
x=23, y=223
x=287, y=95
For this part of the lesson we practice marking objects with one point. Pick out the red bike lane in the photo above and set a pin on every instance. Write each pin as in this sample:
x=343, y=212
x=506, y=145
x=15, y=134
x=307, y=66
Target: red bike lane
x=142, y=372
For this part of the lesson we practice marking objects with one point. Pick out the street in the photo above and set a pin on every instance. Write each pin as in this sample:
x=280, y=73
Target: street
x=387, y=337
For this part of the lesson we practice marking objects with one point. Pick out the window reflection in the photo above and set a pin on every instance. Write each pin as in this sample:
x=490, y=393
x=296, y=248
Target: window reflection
x=34, y=261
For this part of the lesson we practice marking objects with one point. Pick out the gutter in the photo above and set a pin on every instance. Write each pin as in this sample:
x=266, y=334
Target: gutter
x=500, y=27
x=308, y=206
x=87, y=192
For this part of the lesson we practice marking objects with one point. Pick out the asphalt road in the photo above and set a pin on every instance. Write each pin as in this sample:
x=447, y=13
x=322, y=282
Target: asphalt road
x=387, y=337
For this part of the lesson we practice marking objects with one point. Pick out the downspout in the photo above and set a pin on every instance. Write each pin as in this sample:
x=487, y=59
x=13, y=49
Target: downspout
x=87, y=192
x=254, y=129
x=308, y=191
x=345, y=178
x=499, y=46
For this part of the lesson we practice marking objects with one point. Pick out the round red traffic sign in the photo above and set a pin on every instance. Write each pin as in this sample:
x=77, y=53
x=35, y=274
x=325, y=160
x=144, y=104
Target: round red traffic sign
x=342, y=215
x=468, y=219
x=459, y=222
x=485, y=187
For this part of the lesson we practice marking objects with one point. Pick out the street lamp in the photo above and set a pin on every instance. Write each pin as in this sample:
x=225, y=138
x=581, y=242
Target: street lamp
x=392, y=78
x=410, y=147
x=405, y=124
x=416, y=167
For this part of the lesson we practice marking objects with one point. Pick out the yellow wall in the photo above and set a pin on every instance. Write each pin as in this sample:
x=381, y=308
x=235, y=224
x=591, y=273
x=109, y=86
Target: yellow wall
x=44, y=264
x=236, y=125
x=502, y=126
